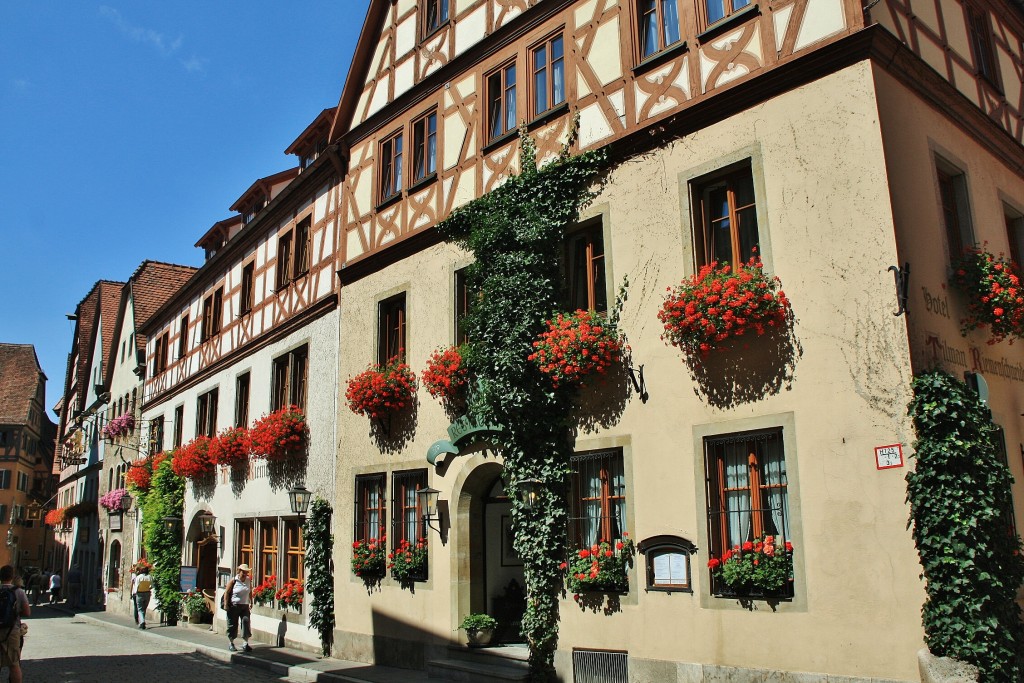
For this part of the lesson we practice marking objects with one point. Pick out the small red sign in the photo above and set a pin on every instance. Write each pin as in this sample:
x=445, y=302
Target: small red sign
x=887, y=457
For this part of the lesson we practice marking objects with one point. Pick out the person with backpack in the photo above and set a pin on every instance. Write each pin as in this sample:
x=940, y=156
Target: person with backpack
x=13, y=606
x=142, y=591
x=236, y=603
x=54, y=588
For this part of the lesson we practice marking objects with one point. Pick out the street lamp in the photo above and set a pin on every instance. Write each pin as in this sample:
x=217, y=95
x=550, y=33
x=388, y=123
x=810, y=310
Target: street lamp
x=529, y=492
x=207, y=524
x=172, y=524
x=298, y=498
x=428, y=503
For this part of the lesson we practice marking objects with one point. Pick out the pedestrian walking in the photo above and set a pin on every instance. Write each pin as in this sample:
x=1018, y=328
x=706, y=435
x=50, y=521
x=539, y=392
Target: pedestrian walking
x=142, y=587
x=13, y=606
x=54, y=588
x=236, y=603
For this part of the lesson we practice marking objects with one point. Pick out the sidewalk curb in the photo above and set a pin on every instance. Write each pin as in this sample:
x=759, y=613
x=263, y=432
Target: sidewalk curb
x=296, y=673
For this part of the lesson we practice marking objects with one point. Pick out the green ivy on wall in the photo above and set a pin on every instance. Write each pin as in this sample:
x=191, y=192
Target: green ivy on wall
x=959, y=495
x=516, y=234
x=319, y=576
x=165, y=498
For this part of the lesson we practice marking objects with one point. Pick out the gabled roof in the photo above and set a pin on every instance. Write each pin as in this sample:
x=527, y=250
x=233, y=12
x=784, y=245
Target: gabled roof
x=320, y=126
x=376, y=13
x=21, y=373
x=263, y=185
x=104, y=298
x=220, y=229
x=152, y=284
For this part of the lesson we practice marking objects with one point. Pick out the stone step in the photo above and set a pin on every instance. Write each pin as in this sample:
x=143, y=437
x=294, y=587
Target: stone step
x=479, y=670
x=509, y=655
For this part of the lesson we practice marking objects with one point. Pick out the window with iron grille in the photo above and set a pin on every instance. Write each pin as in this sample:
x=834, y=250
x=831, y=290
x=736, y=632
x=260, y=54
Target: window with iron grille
x=391, y=333
x=598, y=510
x=747, y=489
x=290, y=377
x=371, y=512
x=600, y=666
x=206, y=414
x=295, y=551
x=407, y=522
x=267, y=550
x=585, y=275
x=245, y=542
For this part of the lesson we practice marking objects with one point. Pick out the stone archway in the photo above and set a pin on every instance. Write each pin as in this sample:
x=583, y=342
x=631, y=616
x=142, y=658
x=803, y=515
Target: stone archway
x=470, y=492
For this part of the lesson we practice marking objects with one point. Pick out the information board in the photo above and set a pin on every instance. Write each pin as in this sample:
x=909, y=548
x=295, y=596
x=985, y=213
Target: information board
x=189, y=577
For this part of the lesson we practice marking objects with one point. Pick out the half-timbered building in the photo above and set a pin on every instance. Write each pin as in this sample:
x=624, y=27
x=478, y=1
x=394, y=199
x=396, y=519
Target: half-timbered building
x=253, y=331
x=840, y=141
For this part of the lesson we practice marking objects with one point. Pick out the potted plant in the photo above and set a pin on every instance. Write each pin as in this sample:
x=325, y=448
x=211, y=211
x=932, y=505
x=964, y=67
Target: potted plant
x=381, y=389
x=719, y=303
x=194, y=604
x=603, y=567
x=368, y=558
x=408, y=562
x=290, y=595
x=231, y=447
x=763, y=566
x=576, y=346
x=56, y=518
x=264, y=593
x=122, y=425
x=280, y=435
x=113, y=501
x=994, y=294
x=192, y=460
x=446, y=377
x=479, y=629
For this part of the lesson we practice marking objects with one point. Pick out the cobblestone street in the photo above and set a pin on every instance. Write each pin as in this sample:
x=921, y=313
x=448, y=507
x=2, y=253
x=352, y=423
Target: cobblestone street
x=64, y=649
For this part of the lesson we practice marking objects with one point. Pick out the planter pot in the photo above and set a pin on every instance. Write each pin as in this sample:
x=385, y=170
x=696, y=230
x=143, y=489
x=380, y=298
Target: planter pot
x=195, y=617
x=481, y=637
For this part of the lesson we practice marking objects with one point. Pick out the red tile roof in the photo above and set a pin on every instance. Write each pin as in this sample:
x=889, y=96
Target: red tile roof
x=20, y=376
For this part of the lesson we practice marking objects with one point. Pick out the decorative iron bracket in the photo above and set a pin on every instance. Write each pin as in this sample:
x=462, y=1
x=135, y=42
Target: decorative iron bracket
x=636, y=376
x=902, y=278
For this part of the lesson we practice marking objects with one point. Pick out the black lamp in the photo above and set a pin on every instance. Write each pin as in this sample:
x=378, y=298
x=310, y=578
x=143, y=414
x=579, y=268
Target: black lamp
x=298, y=498
x=529, y=491
x=207, y=524
x=428, y=504
x=172, y=524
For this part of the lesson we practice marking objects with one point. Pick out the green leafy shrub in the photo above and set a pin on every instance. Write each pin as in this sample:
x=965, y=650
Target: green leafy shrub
x=959, y=495
x=165, y=498
x=319, y=572
x=478, y=622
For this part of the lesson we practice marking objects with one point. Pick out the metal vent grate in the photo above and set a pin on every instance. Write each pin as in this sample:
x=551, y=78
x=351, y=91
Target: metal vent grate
x=600, y=666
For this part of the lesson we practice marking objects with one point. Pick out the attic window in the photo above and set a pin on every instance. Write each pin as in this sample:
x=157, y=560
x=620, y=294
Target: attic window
x=254, y=208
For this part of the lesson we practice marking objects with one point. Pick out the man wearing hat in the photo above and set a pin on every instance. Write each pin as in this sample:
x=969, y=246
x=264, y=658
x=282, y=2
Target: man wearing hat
x=236, y=604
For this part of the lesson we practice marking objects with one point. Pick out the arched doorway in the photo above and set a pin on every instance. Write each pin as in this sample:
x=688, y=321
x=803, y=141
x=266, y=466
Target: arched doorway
x=114, y=565
x=489, y=574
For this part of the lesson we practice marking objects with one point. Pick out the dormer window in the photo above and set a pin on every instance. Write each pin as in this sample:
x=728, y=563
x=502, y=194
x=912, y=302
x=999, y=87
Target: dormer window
x=254, y=208
x=435, y=15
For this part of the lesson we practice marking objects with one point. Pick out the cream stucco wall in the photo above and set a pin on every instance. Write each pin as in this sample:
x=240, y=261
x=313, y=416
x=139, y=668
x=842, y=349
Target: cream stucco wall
x=827, y=231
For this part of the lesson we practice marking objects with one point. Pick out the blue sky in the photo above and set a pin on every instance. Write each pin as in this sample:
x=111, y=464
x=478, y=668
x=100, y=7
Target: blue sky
x=128, y=128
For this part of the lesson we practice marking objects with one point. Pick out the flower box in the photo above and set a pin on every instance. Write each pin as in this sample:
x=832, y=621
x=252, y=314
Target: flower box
x=759, y=568
x=369, y=560
x=994, y=292
x=446, y=377
x=280, y=435
x=192, y=460
x=577, y=346
x=381, y=389
x=290, y=595
x=263, y=594
x=231, y=447
x=603, y=567
x=719, y=303
x=408, y=562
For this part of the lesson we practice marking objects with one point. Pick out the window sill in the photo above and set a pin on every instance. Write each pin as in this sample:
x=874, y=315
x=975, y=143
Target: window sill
x=781, y=595
x=423, y=182
x=669, y=589
x=434, y=31
x=726, y=23
x=388, y=201
x=659, y=58
x=548, y=115
x=500, y=141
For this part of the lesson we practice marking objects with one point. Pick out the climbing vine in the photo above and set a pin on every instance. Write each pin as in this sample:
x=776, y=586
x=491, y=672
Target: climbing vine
x=516, y=234
x=319, y=575
x=960, y=506
x=165, y=498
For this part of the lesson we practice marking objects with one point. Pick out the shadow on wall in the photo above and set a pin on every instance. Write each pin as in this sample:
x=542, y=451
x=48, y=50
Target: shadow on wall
x=402, y=643
x=747, y=369
x=392, y=433
x=602, y=400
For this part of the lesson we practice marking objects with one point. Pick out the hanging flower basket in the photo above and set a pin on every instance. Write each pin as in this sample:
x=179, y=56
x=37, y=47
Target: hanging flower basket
x=192, y=460
x=281, y=435
x=602, y=567
x=122, y=425
x=577, y=346
x=446, y=377
x=765, y=564
x=264, y=593
x=381, y=390
x=290, y=594
x=718, y=303
x=408, y=562
x=368, y=558
x=994, y=295
x=113, y=501
x=140, y=473
x=231, y=447
x=56, y=518
x=142, y=564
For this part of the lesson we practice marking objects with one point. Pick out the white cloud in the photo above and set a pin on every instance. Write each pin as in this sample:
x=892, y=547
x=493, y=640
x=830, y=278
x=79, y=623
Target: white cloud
x=155, y=39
